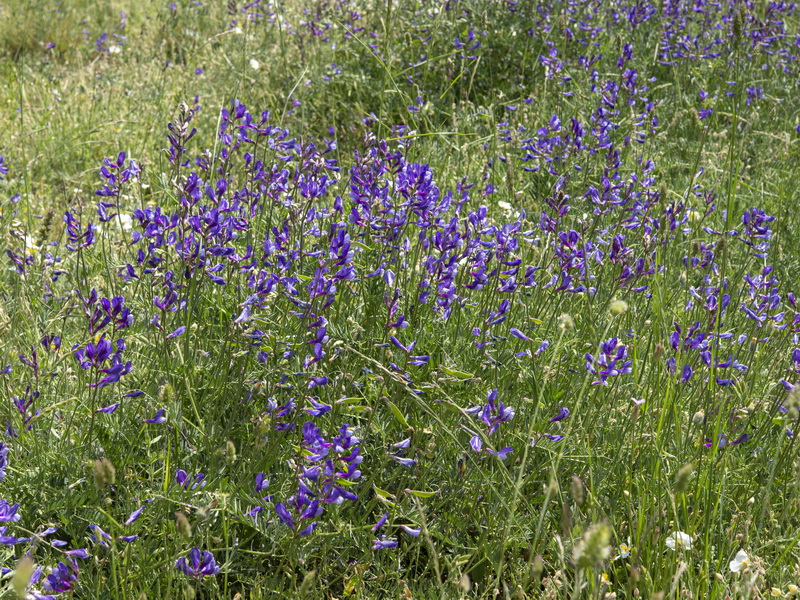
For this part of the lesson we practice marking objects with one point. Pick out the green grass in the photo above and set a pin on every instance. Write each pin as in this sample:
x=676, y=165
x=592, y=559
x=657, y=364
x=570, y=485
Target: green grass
x=635, y=464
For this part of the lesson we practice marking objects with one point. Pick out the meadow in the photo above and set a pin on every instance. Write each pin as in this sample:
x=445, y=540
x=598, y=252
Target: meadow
x=359, y=299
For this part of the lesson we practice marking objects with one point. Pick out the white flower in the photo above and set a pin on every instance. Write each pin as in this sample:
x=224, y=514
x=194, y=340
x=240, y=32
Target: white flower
x=624, y=550
x=679, y=540
x=126, y=221
x=30, y=246
x=114, y=49
x=254, y=64
x=740, y=561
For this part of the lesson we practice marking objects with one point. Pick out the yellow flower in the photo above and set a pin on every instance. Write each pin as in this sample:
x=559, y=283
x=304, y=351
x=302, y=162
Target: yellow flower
x=605, y=579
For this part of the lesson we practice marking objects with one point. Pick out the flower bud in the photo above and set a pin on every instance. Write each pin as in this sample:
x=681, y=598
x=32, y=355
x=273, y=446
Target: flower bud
x=308, y=584
x=22, y=576
x=594, y=547
x=230, y=452
x=566, y=323
x=104, y=473
x=618, y=307
x=682, y=478
x=576, y=490
x=182, y=525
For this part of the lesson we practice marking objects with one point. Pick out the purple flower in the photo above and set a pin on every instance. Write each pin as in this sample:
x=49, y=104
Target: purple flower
x=413, y=532
x=199, y=564
x=318, y=409
x=62, y=579
x=178, y=332
x=108, y=409
x=183, y=480
x=158, y=418
x=501, y=454
x=3, y=460
x=8, y=513
x=519, y=335
x=610, y=362
x=563, y=413
x=261, y=483
x=381, y=522
x=135, y=514
x=284, y=515
x=318, y=382
x=384, y=543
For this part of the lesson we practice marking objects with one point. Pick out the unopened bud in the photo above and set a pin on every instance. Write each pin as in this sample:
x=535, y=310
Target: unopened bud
x=182, y=525
x=682, y=478
x=566, y=520
x=537, y=568
x=22, y=576
x=659, y=351
x=308, y=584
x=230, y=452
x=576, y=490
x=594, y=548
x=566, y=323
x=618, y=307
x=699, y=417
x=104, y=473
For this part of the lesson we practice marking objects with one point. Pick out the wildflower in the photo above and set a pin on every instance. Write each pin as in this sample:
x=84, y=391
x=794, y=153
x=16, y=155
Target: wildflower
x=740, y=562
x=384, y=543
x=135, y=514
x=3, y=460
x=624, y=550
x=611, y=361
x=678, y=540
x=618, y=307
x=254, y=64
x=62, y=578
x=381, y=522
x=199, y=564
x=412, y=531
x=158, y=418
x=183, y=480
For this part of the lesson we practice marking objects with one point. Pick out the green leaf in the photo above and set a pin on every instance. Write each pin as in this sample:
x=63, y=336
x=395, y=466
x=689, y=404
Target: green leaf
x=459, y=374
x=420, y=494
x=398, y=415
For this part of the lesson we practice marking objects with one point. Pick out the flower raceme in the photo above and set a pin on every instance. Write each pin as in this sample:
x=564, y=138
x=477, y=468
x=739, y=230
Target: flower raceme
x=198, y=565
x=611, y=361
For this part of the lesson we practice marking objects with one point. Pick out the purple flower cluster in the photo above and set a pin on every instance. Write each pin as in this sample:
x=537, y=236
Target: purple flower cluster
x=611, y=361
x=492, y=414
x=330, y=468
